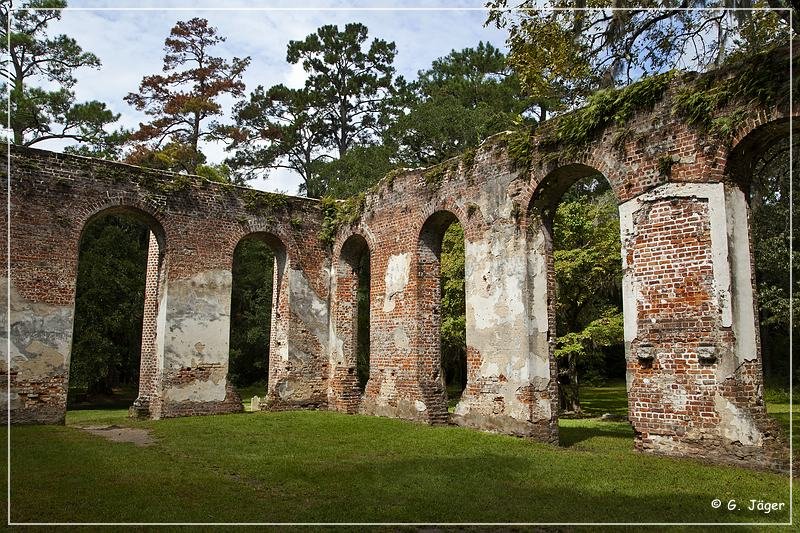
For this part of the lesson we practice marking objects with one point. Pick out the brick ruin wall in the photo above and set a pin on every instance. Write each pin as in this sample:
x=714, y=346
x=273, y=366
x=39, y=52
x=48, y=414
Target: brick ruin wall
x=691, y=339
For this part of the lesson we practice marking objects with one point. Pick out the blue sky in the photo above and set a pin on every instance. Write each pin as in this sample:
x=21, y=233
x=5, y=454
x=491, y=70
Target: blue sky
x=130, y=43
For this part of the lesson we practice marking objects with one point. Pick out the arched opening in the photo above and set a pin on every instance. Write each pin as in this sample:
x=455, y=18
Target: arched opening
x=574, y=230
x=759, y=166
x=352, y=318
x=258, y=263
x=113, y=362
x=442, y=322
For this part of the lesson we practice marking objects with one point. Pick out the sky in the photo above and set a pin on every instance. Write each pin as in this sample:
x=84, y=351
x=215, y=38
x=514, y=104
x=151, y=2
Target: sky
x=129, y=43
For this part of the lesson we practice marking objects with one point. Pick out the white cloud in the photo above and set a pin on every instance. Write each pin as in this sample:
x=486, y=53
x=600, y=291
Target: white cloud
x=295, y=76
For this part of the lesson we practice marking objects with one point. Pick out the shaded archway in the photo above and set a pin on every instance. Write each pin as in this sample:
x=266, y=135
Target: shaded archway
x=351, y=357
x=575, y=271
x=441, y=232
x=259, y=262
x=120, y=283
x=761, y=177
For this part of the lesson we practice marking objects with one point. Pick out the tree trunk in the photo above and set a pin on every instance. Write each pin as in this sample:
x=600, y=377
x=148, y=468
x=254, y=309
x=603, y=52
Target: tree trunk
x=575, y=401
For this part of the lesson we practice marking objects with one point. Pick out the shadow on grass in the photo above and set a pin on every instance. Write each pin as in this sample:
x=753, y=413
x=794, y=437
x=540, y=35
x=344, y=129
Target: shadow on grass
x=581, y=430
x=356, y=470
x=612, y=398
x=120, y=398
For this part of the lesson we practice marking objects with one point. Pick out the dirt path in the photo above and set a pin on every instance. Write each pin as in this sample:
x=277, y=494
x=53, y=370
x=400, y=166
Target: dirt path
x=140, y=437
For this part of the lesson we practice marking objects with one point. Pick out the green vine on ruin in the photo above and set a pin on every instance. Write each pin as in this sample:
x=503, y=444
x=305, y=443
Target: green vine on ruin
x=339, y=213
x=574, y=130
x=738, y=88
x=262, y=203
x=468, y=159
x=435, y=175
x=665, y=164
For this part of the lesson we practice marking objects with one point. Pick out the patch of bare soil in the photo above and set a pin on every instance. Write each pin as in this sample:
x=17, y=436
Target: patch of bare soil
x=139, y=437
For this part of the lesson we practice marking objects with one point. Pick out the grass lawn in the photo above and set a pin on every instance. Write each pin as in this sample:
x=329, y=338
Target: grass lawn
x=323, y=466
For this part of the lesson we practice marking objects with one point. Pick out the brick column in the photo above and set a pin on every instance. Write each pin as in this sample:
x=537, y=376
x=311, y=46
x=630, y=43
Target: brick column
x=149, y=365
x=344, y=394
x=509, y=386
x=694, y=370
x=298, y=341
x=427, y=342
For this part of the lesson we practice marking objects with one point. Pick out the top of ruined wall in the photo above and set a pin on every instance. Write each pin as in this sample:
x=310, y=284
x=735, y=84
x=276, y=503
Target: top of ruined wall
x=664, y=129
x=656, y=143
x=200, y=222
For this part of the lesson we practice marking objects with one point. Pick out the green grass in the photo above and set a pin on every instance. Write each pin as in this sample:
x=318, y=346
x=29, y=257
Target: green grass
x=611, y=399
x=323, y=466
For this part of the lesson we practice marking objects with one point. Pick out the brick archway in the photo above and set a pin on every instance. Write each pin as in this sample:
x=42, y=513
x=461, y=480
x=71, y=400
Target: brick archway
x=345, y=390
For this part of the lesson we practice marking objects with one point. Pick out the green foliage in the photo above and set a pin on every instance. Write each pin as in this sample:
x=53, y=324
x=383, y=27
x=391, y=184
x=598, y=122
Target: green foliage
x=435, y=175
x=520, y=145
x=665, y=164
x=468, y=159
x=602, y=332
x=463, y=98
x=573, y=130
x=343, y=106
x=251, y=312
x=589, y=278
x=548, y=57
x=280, y=128
x=37, y=56
x=181, y=182
x=772, y=246
x=108, y=305
x=605, y=107
x=363, y=318
x=220, y=173
x=564, y=55
x=738, y=87
x=338, y=213
x=349, y=78
x=358, y=170
x=263, y=203
x=453, y=327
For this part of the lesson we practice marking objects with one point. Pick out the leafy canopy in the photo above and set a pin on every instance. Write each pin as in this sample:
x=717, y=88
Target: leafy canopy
x=463, y=98
x=344, y=105
x=350, y=77
x=564, y=55
x=279, y=127
x=109, y=304
x=182, y=100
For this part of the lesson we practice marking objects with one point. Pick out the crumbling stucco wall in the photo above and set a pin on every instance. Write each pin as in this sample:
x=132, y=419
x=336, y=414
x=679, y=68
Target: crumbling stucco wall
x=692, y=347
x=199, y=224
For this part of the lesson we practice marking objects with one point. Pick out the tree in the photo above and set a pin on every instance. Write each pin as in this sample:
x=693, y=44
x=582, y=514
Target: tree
x=586, y=249
x=363, y=316
x=463, y=98
x=39, y=114
x=251, y=312
x=360, y=168
x=454, y=307
x=345, y=103
x=769, y=202
x=562, y=56
x=182, y=100
x=351, y=82
x=279, y=128
x=109, y=304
